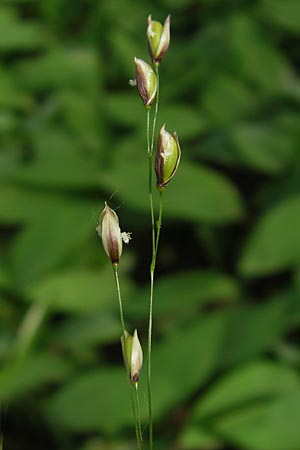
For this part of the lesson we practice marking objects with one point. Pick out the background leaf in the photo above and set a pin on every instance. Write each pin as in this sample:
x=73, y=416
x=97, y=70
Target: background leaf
x=273, y=244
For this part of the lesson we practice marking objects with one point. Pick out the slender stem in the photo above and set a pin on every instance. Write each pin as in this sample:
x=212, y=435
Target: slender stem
x=115, y=267
x=149, y=358
x=138, y=413
x=135, y=408
x=150, y=171
x=152, y=273
x=150, y=304
x=148, y=132
x=156, y=109
x=153, y=259
x=159, y=220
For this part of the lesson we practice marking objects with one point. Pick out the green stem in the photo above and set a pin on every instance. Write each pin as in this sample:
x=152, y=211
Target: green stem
x=135, y=408
x=150, y=146
x=150, y=171
x=138, y=433
x=138, y=414
x=149, y=359
x=115, y=267
x=156, y=109
x=152, y=273
x=159, y=220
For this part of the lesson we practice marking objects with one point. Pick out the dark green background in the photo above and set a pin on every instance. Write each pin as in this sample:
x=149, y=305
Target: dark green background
x=226, y=352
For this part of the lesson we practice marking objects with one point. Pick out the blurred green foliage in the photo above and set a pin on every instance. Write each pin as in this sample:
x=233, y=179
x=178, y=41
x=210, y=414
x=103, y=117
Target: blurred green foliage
x=226, y=352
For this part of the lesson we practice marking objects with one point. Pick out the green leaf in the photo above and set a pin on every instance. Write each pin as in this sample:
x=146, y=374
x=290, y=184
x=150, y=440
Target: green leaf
x=193, y=438
x=263, y=147
x=256, y=382
x=5, y=342
x=21, y=205
x=89, y=329
x=274, y=243
x=251, y=49
x=273, y=426
x=283, y=14
x=8, y=122
x=188, y=122
x=226, y=98
x=259, y=383
x=57, y=151
x=103, y=397
x=176, y=374
x=268, y=146
x=179, y=117
x=217, y=341
x=49, y=240
x=269, y=320
x=78, y=290
x=214, y=198
x=78, y=69
x=217, y=148
x=124, y=47
x=97, y=400
x=11, y=96
x=286, y=187
x=18, y=35
x=37, y=370
x=193, y=288
x=118, y=103
x=3, y=274
x=81, y=115
x=101, y=444
x=178, y=6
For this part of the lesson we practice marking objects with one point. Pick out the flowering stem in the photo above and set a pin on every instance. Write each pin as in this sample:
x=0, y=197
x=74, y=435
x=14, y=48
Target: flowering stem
x=150, y=178
x=134, y=402
x=152, y=272
x=115, y=268
x=150, y=146
x=149, y=359
x=156, y=108
x=138, y=415
x=159, y=220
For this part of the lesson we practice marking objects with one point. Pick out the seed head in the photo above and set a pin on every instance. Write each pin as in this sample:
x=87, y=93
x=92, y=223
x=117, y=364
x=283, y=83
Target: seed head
x=146, y=81
x=133, y=355
x=167, y=157
x=110, y=233
x=158, y=37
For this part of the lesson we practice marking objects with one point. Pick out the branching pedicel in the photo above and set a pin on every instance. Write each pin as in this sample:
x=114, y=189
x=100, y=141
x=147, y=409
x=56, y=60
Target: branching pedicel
x=166, y=163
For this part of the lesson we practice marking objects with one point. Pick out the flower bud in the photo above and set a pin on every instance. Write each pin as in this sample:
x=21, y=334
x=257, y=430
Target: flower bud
x=133, y=355
x=167, y=157
x=158, y=37
x=146, y=81
x=110, y=233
